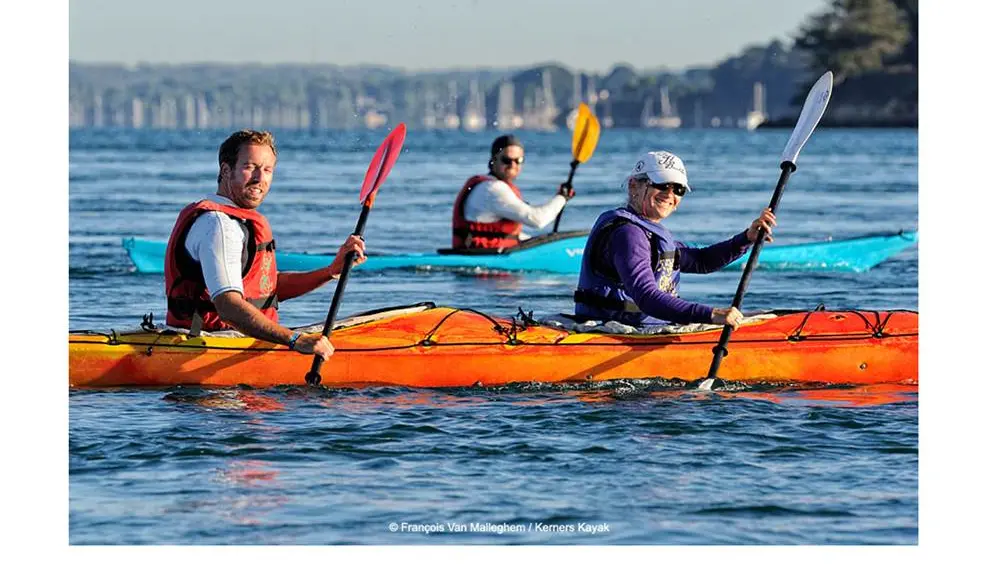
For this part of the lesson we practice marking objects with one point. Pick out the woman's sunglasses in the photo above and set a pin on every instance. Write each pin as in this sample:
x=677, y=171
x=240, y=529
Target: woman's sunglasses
x=510, y=161
x=678, y=189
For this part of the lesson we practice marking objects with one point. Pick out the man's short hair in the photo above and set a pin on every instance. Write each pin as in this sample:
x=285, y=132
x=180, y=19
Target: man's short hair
x=232, y=146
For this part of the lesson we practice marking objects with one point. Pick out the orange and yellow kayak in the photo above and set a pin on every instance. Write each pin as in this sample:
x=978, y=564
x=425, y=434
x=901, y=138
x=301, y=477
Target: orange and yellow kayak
x=429, y=346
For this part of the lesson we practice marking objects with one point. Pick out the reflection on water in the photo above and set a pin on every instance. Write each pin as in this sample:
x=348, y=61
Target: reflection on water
x=864, y=395
x=227, y=399
x=250, y=493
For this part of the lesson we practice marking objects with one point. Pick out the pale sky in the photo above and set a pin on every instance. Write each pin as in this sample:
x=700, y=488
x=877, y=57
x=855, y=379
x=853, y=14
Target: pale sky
x=589, y=35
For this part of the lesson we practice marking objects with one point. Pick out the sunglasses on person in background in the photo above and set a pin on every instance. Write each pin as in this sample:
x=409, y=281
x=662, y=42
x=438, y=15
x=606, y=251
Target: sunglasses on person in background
x=510, y=160
x=678, y=189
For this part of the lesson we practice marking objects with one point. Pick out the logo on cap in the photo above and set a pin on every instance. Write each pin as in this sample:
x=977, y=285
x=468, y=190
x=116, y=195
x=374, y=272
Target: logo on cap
x=670, y=161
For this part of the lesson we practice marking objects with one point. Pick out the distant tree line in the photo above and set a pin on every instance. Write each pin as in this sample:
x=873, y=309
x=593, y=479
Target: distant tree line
x=870, y=45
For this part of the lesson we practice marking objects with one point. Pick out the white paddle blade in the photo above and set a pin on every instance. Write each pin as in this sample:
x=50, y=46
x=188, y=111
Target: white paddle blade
x=812, y=112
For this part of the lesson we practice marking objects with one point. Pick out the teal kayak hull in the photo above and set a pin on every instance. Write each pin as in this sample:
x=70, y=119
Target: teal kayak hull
x=562, y=253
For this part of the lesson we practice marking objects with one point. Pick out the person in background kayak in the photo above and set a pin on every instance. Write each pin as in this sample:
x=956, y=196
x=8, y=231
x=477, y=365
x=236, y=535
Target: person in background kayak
x=220, y=270
x=631, y=264
x=489, y=212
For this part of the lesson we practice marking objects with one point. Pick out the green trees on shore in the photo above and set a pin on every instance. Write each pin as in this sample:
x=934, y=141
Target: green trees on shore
x=854, y=37
x=871, y=47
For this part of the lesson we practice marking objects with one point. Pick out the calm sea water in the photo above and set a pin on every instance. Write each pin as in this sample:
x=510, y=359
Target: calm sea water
x=619, y=464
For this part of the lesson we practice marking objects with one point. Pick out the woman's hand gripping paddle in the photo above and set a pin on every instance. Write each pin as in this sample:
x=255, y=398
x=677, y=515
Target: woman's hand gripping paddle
x=812, y=111
x=380, y=167
x=584, y=138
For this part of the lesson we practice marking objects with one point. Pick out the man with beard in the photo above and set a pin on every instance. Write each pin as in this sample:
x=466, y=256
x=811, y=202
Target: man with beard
x=220, y=270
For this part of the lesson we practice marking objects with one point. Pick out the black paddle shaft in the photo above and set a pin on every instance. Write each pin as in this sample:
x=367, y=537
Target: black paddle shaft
x=313, y=377
x=571, y=174
x=720, y=350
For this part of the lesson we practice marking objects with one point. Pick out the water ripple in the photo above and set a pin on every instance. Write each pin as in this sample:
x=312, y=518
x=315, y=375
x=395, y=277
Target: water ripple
x=654, y=460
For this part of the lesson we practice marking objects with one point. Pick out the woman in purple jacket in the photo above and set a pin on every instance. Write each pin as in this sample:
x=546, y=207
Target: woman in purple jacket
x=631, y=265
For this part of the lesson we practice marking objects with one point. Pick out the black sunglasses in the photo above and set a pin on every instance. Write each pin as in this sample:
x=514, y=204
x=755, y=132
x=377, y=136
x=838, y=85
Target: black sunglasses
x=510, y=161
x=678, y=189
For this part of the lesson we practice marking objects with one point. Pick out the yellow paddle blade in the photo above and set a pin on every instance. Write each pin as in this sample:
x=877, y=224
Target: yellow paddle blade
x=585, y=135
x=592, y=138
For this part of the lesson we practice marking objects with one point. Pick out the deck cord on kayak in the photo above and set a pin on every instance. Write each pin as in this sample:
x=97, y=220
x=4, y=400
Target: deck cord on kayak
x=878, y=329
x=501, y=330
x=797, y=334
x=520, y=322
x=875, y=326
x=526, y=317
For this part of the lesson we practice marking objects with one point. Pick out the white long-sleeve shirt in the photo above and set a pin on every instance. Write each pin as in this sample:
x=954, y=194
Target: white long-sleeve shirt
x=216, y=241
x=493, y=200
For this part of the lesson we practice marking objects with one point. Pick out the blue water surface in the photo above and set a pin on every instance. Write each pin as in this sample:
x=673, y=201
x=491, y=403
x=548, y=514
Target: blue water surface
x=623, y=463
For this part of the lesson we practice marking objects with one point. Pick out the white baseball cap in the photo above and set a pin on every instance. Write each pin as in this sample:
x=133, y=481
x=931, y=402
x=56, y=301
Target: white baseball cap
x=661, y=167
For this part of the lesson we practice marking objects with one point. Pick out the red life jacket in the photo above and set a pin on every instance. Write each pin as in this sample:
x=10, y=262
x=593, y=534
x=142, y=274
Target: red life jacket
x=187, y=295
x=483, y=235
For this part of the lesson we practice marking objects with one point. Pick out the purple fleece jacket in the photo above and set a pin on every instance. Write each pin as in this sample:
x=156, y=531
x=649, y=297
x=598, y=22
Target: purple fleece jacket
x=631, y=256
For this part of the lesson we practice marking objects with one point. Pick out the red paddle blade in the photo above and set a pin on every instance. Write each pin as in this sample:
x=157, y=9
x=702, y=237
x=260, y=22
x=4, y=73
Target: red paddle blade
x=381, y=164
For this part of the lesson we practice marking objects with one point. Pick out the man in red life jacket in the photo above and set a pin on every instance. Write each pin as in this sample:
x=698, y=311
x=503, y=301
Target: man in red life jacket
x=489, y=212
x=220, y=270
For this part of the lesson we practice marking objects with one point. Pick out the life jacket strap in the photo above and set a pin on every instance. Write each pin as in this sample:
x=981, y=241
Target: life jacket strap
x=607, y=303
x=267, y=302
x=187, y=308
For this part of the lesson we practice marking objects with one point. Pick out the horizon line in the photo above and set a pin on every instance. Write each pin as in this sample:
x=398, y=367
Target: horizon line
x=386, y=66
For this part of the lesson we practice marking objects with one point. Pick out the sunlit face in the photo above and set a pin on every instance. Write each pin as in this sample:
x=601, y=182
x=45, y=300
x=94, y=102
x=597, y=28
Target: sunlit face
x=508, y=163
x=651, y=203
x=249, y=181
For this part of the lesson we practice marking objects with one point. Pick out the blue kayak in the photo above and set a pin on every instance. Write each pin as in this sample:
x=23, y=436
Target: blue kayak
x=562, y=253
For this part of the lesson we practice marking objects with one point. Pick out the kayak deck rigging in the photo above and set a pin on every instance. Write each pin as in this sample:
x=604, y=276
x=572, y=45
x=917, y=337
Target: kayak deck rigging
x=424, y=345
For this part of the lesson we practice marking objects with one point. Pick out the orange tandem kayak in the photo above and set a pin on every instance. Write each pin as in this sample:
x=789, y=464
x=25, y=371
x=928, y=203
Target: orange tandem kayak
x=428, y=346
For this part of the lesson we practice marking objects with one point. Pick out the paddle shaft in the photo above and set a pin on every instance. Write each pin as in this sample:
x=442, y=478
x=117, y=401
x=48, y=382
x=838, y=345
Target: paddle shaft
x=720, y=350
x=571, y=174
x=314, y=376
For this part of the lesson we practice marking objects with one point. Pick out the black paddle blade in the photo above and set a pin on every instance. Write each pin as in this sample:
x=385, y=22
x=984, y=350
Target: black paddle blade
x=313, y=378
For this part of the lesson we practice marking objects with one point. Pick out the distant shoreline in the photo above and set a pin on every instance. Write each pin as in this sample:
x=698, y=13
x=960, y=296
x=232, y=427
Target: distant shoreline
x=787, y=123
